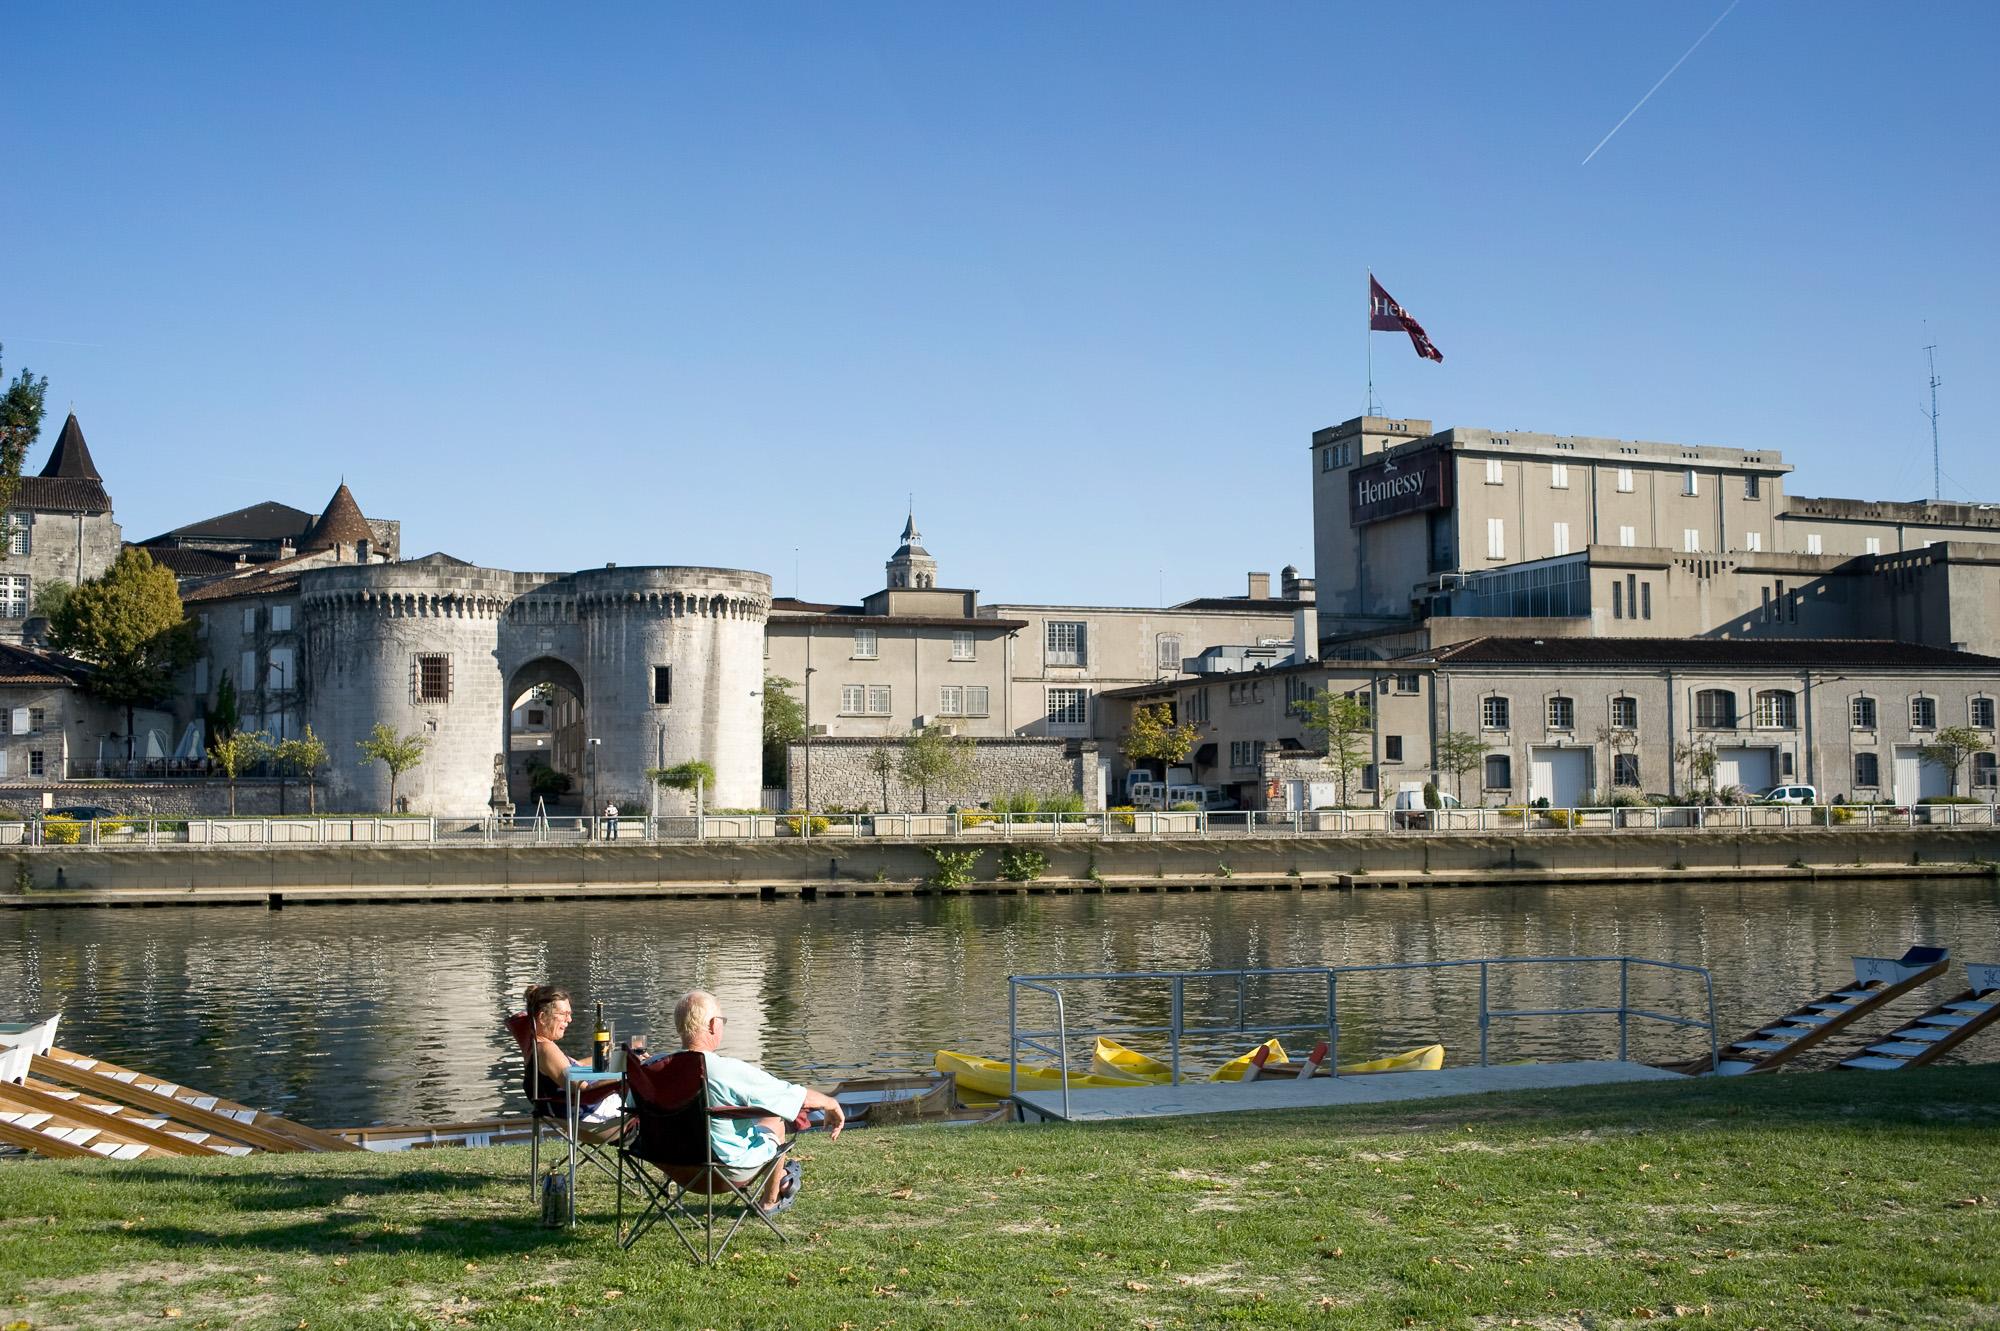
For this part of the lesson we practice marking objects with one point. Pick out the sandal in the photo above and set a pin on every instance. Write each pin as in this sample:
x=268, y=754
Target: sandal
x=788, y=1191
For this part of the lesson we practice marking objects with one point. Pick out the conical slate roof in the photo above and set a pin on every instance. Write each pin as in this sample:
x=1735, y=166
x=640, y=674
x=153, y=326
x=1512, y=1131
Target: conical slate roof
x=912, y=539
x=70, y=459
x=341, y=524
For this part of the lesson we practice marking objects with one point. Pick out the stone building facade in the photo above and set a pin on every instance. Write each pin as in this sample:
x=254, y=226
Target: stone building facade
x=665, y=663
x=59, y=528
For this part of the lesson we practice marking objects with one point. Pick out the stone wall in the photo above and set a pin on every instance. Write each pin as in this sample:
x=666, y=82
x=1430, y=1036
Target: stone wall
x=841, y=774
x=164, y=799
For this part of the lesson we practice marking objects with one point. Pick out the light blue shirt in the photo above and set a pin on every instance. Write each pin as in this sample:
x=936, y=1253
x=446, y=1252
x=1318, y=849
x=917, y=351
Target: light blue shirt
x=739, y=1142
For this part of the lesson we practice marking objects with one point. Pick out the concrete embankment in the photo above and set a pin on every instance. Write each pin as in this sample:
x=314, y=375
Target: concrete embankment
x=56, y=876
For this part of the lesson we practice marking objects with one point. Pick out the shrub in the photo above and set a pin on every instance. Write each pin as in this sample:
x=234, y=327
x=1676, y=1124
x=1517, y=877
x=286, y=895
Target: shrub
x=1124, y=818
x=1556, y=817
x=1022, y=864
x=974, y=818
x=61, y=831
x=1432, y=800
x=1224, y=871
x=24, y=881
x=1950, y=799
x=545, y=780
x=1185, y=806
x=817, y=826
x=954, y=867
x=1834, y=815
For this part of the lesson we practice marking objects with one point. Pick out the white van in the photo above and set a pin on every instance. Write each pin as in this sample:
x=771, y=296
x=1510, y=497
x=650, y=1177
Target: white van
x=1410, y=808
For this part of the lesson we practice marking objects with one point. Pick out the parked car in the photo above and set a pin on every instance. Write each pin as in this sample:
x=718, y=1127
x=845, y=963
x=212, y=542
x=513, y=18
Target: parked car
x=84, y=813
x=1788, y=795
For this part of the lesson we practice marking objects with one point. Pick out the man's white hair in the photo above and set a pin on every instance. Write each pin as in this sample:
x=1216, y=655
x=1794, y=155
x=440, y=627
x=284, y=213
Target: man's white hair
x=693, y=1013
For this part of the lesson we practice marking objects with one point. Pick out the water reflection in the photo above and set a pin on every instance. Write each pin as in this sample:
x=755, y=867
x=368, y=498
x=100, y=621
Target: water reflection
x=352, y=1015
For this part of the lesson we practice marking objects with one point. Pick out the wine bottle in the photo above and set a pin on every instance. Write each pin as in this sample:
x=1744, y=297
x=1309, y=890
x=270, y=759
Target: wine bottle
x=600, y=1044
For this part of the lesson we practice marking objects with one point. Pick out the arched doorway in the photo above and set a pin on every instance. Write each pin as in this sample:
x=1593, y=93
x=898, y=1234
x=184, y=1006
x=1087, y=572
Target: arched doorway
x=547, y=742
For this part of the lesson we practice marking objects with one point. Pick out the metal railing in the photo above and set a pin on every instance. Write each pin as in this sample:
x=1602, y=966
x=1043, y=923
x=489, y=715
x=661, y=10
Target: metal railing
x=978, y=826
x=1177, y=1031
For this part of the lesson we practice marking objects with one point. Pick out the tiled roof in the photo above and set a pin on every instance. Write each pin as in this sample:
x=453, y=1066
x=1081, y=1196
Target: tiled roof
x=268, y=521
x=61, y=494
x=190, y=563
x=263, y=582
x=1824, y=653
x=21, y=665
x=70, y=458
x=341, y=524
x=1244, y=605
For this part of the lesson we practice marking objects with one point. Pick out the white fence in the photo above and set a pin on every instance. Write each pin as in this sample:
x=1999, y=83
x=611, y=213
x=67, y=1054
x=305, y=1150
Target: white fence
x=980, y=826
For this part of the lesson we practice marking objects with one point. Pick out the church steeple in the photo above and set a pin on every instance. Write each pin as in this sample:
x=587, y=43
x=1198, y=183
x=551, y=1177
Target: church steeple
x=911, y=565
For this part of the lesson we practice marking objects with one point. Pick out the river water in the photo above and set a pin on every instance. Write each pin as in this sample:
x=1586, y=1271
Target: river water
x=351, y=1015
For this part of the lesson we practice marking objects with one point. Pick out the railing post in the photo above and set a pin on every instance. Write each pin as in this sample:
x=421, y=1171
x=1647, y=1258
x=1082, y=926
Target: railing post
x=1624, y=1002
x=1483, y=1018
x=1062, y=1050
x=1240, y=977
x=1174, y=1030
x=1333, y=1022
x=1013, y=1039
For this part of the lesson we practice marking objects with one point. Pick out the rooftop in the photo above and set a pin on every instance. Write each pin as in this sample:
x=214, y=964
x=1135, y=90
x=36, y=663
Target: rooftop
x=1829, y=654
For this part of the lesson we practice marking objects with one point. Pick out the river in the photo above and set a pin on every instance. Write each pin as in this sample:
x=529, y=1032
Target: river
x=349, y=1015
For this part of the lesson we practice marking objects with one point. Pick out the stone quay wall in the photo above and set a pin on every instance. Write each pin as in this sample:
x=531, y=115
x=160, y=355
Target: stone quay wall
x=842, y=773
x=166, y=799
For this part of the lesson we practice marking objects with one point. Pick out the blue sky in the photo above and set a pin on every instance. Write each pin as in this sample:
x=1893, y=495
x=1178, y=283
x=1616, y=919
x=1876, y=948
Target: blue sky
x=558, y=286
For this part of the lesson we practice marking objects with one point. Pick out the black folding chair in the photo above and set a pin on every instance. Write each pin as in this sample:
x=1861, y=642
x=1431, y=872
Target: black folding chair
x=550, y=1112
x=669, y=1098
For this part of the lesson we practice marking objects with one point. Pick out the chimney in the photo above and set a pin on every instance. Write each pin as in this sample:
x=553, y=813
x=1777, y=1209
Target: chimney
x=1260, y=586
x=1305, y=633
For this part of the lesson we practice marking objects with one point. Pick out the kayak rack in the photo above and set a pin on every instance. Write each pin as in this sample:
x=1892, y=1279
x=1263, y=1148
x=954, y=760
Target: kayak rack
x=1176, y=1030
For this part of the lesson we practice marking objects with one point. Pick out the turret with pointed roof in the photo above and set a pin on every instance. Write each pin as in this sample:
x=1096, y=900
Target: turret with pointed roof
x=69, y=482
x=911, y=565
x=341, y=525
x=71, y=456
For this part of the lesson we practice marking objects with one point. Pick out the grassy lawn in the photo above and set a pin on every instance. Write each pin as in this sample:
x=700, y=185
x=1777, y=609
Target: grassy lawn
x=1809, y=1200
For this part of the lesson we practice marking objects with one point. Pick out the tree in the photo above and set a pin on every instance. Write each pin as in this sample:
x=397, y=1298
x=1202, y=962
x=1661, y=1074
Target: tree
x=129, y=624
x=305, y=757
x=882, y=762
x=1345, y=721
x=933, y=756
x=1698, y=759
x=236, y=754
x=398, y=753
x=1949, y=748
x=695, y=775
x=222, y=721
x=1457, y=753
x=20, y=425
x=50, y=596
x=1153, y=737
x=784, y=721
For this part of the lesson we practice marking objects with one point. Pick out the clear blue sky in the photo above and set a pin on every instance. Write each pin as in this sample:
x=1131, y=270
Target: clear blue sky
x=564, y=285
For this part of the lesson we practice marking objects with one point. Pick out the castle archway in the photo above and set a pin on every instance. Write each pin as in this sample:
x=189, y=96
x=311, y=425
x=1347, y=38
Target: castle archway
x=547, y=739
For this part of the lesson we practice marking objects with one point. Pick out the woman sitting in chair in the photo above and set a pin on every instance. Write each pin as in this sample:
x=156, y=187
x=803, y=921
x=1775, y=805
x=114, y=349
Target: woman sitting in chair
x=542, y=1080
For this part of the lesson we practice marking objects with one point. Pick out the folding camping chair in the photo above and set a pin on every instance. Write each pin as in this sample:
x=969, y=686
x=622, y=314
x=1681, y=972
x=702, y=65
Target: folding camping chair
x=551, y=1111
x=669, y=1097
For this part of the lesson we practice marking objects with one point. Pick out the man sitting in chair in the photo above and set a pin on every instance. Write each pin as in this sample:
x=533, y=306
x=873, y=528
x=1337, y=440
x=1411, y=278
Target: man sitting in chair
x=745, y=1143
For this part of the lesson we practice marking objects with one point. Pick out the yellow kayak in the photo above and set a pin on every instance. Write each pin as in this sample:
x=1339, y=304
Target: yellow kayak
x=1112, y=1059
x=989, y=1076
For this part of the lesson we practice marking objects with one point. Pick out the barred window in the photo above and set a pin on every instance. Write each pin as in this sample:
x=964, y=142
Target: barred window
x=853, y=699
x=1066, y=644
x=1624, y=769
x=1864, y=713
x=1493, y=713
x=1562, y=714
x=1982, y=713
x=1923, y=713
x=1715, y=709
x=1409, y=683
x=663, y=685
x=1984, y=771
x=1068, y=707
x=1777, y=710
x=1867, y=770
x=431, y=678
x=1392, y=748
x=1170, y=652
x=1499, y=772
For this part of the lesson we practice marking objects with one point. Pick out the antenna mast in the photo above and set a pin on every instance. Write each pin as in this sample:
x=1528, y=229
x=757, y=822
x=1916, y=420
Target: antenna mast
x=1930, y=355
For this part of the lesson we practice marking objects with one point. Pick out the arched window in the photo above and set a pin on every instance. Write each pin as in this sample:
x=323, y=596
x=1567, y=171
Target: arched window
x=1715, y=709
x=1562, y=713
x=1777, y=709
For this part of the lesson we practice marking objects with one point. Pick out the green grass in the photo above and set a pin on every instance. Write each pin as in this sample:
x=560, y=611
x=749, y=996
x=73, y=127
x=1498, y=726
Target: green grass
x=1810, y=1200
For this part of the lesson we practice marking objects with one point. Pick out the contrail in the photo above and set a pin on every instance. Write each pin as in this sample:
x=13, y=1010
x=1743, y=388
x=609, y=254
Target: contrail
x=1663, y=78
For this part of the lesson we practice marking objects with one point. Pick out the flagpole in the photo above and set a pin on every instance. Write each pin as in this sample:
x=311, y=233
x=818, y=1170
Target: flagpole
x=1369, y=405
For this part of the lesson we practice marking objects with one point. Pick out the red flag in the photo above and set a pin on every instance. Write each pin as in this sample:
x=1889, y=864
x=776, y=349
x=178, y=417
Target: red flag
x=1386, y=316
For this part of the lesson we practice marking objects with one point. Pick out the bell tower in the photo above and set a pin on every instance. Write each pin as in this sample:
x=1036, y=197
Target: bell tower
x=911, y=565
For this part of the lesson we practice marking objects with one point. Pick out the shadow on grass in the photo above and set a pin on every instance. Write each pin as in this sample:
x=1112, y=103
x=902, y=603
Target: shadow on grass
x=260, y=1191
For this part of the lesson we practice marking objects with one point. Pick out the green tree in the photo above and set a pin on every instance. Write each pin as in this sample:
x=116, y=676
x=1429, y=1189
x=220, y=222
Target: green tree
x=694, y=775
x=933, y=756
x=784, y=721
x=50, y=596
x=302, y=757
x=1949, y=748
x=1153, y=737
x=21, y=410
x=223, y=720
x=1346, y=722
x=882, y=762
x=1698, y=760
x=129, y=624
x=237, y=753
x=1457, y=753
x=398, y=753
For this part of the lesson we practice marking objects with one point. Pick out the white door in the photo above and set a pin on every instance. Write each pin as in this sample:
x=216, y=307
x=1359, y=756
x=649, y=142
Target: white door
x=1562, y=776
x=1747, y=769
x=1916, y=778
